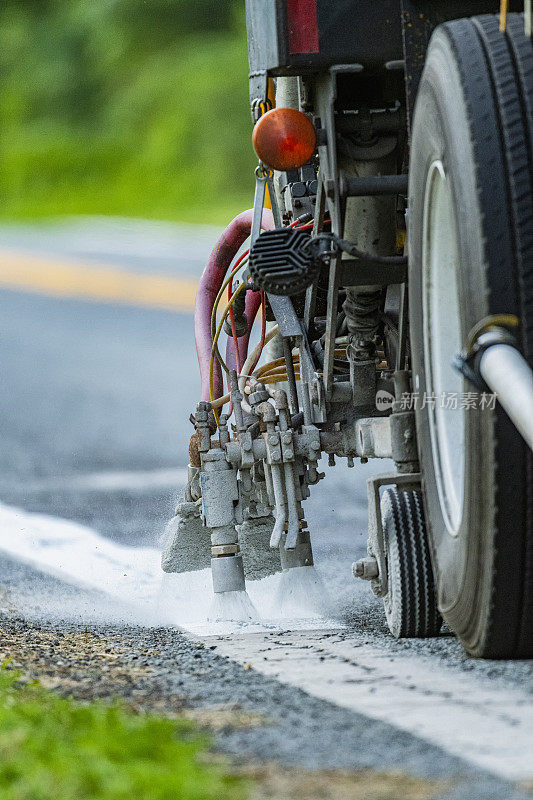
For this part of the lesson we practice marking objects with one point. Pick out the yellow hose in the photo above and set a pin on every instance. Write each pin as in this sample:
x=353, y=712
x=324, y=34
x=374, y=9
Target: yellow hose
x=277, y=379
x=215, y=308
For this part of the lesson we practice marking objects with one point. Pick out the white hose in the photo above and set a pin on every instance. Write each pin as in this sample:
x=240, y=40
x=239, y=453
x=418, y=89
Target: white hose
x=248, y=365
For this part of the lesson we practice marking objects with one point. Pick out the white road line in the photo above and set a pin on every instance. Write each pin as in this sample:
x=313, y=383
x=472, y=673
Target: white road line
x=112, y=481
x=471, y=717
x=78, y=555
x=468, y=717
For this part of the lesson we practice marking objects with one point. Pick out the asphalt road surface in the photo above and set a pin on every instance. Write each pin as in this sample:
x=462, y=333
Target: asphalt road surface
x=98, y=380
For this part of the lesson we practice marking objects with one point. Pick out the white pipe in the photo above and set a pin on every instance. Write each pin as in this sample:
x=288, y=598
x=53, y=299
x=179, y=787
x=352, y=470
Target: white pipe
x=248, y=364
x=508, y=374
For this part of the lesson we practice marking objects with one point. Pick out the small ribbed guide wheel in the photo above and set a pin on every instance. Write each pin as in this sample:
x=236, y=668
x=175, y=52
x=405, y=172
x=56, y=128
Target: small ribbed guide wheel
x=410, y=603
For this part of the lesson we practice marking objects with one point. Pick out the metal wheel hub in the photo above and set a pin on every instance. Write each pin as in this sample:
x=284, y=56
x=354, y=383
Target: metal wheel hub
x=442, y=394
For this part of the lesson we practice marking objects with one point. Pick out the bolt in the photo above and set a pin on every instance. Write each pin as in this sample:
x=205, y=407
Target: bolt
x=366, y=568
x=272, y=440
x=358, y=569
x=258, y=395
x=287, y=438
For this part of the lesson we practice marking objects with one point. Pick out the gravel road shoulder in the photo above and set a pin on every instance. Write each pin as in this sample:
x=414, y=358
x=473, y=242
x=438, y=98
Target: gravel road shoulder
x=254, y=719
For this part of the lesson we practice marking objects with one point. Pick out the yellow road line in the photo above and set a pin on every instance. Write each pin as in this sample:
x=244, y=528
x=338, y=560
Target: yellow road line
x=94, y=282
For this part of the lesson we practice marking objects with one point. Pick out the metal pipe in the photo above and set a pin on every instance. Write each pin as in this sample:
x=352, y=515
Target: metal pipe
x=269, y=485
x=376, y=122
x=372, y=185
x=508, y=374
x=287, y=96
x=293, y=521
x=291, y=377
x=280, y=506
x=236, y=398
x=219, y=495
x=306, y=403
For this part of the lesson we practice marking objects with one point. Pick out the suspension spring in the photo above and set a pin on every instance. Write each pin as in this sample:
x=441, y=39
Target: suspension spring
x=362, y=311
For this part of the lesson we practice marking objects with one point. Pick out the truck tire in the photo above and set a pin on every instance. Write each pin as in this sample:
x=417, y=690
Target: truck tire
x=470, y=256
x=410, y=603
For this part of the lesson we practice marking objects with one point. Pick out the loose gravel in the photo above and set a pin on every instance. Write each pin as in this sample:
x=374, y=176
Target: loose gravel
x=254, y=718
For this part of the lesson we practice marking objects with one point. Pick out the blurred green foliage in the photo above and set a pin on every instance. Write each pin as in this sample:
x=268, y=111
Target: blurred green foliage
x=131, y=107
x=52, y=748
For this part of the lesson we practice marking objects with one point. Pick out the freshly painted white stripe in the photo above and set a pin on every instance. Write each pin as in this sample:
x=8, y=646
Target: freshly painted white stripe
x=470, y=717
x=114, y=481
x=78, y=555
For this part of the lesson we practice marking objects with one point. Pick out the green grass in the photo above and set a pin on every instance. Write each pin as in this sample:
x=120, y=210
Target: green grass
x=128, y=108
x=52, y=748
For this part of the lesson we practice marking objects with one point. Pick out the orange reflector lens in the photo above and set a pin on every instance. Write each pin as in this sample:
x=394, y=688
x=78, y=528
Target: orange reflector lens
x=284, y=139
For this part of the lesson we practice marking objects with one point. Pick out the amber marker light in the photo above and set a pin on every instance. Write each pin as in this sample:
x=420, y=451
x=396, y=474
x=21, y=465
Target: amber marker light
x=284, y=138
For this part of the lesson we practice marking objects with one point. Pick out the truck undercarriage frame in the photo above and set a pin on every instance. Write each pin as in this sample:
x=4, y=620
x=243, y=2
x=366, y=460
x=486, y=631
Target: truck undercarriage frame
x=370, y=287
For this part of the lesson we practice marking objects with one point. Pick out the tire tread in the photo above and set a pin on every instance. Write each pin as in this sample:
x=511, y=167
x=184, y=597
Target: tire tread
x=502, y=148
x=411, y=577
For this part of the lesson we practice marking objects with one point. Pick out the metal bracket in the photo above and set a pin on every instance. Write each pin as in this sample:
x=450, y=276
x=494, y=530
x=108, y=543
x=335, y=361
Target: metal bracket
x=259, y=203
x=247, y=458
x=258, y=86
x=290, y=327
x=287, y=447
x=273, y=448
x=329, y=168
x=283, y=310
x=376, y=539
x=318, y=225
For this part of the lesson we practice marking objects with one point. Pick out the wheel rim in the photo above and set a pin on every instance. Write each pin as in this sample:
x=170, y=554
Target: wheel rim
x=442, y=342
